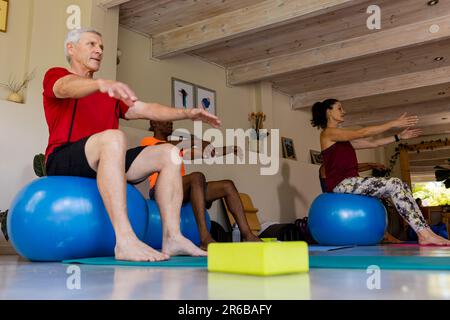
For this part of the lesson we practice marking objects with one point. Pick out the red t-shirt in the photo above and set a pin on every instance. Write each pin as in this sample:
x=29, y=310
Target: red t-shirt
x=95, y=113
x=340, y=163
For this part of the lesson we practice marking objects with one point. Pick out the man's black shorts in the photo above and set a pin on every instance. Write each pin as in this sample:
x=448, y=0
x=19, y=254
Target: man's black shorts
x=70, y=160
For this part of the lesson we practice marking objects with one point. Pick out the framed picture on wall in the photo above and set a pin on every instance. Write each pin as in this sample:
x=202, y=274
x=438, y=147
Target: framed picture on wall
x=3, y=15
x=206, y=98
x=288, y=148
x=316, y=157
x=182, y=94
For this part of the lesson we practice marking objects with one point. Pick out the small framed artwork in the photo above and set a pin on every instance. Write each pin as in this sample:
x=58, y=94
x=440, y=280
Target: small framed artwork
x=316, y=157
x=206, y=98
x=3, y=15
x=182, y=94
x=288, y=148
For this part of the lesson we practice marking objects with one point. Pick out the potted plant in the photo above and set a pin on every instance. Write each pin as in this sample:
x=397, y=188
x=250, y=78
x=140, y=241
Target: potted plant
x=16, y=88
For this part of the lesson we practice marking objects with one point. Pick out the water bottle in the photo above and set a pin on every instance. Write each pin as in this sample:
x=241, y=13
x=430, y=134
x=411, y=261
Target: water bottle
x=236, y=234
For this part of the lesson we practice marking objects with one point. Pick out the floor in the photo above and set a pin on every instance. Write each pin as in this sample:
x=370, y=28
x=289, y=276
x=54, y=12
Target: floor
x=20, y=279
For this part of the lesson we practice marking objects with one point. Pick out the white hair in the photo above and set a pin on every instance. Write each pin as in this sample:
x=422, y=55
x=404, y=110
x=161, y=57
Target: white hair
x=73, y=36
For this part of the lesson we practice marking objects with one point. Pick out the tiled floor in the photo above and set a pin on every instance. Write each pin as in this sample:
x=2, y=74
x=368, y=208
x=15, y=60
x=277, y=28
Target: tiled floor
x=20, y=279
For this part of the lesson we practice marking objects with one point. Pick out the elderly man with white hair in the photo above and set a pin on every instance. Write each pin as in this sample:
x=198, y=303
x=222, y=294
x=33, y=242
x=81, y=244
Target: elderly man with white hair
x=83, y=114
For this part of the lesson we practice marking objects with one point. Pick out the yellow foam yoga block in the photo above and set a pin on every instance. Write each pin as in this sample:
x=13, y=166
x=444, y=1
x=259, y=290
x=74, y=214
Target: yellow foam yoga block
x=258, y=258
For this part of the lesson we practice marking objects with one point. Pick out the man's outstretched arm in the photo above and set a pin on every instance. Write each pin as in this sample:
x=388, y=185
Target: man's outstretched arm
x=75, y=87
x=158, y=112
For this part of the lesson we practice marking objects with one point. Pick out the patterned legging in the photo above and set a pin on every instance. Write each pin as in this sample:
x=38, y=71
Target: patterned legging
x=392, y=188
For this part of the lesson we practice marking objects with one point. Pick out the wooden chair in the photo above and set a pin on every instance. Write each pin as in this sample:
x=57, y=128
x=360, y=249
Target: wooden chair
x=250, y=213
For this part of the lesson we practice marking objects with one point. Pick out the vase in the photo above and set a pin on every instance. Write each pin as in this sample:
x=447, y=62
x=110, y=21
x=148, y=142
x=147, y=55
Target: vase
x=15, y=97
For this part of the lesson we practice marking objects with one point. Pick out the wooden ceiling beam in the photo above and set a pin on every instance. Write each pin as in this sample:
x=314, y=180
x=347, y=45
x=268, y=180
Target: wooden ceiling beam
x=108, y=4
x=265, y=15
x=376, y=87
x=436, y=109
x=436, y=130
x=371, y=44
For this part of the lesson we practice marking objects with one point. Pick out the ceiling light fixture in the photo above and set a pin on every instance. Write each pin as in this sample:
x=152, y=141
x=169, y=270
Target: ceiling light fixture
x=433, y=2
x=438, y=58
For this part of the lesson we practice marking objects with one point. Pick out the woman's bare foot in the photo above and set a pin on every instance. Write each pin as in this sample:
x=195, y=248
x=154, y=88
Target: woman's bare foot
x=130, y=248
x=428, y=237
x=180, y=246
x=205, y=241
x=250, y=237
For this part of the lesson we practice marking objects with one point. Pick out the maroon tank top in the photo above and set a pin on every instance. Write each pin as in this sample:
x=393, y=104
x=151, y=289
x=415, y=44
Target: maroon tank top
x=340, y=163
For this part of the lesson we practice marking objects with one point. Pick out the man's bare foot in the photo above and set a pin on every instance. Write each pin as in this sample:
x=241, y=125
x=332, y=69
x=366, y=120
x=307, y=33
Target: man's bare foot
x=205, y=241
x=180, y=246
x=428, y=237
x=132, y=249
x=250, y=238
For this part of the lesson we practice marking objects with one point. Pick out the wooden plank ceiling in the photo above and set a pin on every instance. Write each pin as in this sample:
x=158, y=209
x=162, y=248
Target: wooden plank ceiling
x=316, y=49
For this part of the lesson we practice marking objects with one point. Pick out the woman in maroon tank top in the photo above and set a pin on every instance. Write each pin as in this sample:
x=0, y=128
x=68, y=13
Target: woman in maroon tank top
x=341, y=165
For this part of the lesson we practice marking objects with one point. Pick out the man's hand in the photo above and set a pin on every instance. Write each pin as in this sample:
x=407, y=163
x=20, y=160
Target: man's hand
x=118, y=90
x=409, y=133
x=202, y=115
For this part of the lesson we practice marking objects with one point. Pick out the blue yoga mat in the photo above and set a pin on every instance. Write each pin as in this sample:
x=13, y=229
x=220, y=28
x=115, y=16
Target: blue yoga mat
x=383, y=262
x=320, y=257
x=173, y=262
x=317, y=248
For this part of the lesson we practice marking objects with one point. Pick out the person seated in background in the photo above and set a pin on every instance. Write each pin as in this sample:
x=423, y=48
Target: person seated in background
x=196, y=190
x=339, y=157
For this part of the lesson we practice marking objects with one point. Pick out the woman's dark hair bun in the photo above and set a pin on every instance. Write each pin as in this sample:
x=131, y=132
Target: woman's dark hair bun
x=319, y=113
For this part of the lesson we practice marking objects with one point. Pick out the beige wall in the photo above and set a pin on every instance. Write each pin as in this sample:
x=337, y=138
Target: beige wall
x=14, y=44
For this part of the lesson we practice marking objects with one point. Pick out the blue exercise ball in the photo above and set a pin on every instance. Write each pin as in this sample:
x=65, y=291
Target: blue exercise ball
x=188, y=224
x=58, y=218
x=347, y=219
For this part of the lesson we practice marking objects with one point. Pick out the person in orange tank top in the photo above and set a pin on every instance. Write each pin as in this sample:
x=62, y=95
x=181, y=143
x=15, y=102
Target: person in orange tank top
x=200, y=193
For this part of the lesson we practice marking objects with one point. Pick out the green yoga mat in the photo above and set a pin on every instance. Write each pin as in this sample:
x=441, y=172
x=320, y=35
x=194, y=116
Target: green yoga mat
x=174, y=262
x=383, y=262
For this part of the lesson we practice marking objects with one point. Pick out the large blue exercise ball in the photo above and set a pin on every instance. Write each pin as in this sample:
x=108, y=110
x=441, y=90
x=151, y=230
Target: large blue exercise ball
x=58, y=218
x=188, y=224
x=347, y=219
